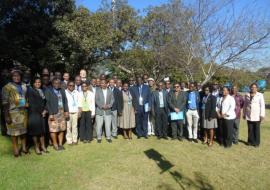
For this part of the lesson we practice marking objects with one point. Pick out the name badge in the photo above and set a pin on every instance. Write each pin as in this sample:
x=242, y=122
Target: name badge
x=141, y=101
x=21, y=102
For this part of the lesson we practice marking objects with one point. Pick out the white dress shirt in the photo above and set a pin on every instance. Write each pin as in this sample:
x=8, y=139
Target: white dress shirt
x=227, y=107
x=90, y=98
x=105, y=95
x=72, y=98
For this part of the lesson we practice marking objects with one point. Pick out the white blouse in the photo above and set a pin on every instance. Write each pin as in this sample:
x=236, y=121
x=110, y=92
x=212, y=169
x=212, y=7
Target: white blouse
x=227, y=107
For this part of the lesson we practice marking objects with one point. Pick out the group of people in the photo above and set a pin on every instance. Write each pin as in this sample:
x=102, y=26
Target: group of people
x=55, y=109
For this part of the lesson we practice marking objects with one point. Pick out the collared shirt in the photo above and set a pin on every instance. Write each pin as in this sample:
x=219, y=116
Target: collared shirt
x=239, y=103
x=161, y=100
x=105, y=95
x=72, y=98
x=192, y=100
x=87, y=101
x=78, y=88
x=215, y=93
x=227, y=107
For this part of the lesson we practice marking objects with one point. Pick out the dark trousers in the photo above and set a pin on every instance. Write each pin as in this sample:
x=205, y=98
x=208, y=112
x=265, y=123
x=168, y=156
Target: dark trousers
x=86, y=129
x=141, y=120
x=254, y=132
x=219, y=132
x=177, y=129
x=161, y=120
x=227, y=126
x=3, y=124
x=236, y=125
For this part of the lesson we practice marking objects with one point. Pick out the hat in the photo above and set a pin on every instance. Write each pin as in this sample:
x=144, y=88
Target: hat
x=150, y=79
x=167, y=79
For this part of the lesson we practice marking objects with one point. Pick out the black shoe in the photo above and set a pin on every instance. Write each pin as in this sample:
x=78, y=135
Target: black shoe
x=236, y=143
x=115, y=137
x=158, y=137
x=109, y=140
x=88, y=141
x=46, y=151
x=85, y=141
x=75, y=143
x=180, y=139
x=195, y=140
x=190, y=140
x=138, y=137
x=99, y=141
x=166, y=138
x=173, y=139
x=146, y=137
x=56, y=148
x=61, y=148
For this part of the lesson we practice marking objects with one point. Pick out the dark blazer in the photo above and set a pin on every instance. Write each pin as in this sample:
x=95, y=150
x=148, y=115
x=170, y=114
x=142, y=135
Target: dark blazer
x=177, y=102
x=156, y=103
x=146, y=95
x=118, y=100
x=210, y=107
x=52, y=101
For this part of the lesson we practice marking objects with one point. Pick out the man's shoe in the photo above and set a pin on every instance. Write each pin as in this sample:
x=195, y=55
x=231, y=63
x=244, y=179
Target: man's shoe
x=115, y=137
x=99, y=141
x=146, y=137
x=138, y=137
x=109, y=140
x=195, y=140
x=180, y=139
x=190, y=140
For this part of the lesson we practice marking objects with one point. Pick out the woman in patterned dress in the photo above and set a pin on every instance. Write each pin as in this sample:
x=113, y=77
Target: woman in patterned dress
x=14, y=104
x=57, y=107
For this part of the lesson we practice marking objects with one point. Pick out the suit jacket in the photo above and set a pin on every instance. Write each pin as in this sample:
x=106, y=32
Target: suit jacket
x=177, y=102
x=52, y=101
x=210, y=107
x=156, y=102
x=100, y=102
x=118, y=100
x=146, y=95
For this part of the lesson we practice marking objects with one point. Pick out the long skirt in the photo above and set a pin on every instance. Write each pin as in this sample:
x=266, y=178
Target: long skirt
x=18, y=124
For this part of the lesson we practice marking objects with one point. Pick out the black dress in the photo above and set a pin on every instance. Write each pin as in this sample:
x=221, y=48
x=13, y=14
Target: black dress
x=36, y=123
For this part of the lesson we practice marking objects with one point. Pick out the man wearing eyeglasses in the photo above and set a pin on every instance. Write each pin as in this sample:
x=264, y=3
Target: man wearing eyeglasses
x=177, y=104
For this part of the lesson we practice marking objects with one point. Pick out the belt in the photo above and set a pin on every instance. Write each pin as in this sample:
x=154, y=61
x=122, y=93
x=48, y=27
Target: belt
x=192, y=109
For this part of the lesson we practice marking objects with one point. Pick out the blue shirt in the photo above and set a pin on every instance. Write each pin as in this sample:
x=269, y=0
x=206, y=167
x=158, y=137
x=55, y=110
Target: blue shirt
x=192, y=100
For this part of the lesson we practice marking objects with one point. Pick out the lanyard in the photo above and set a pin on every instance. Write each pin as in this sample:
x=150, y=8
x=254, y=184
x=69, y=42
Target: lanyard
x=85, y=96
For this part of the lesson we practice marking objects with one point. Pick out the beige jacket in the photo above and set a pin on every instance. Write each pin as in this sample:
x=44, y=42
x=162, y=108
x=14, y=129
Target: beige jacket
x=254, y=109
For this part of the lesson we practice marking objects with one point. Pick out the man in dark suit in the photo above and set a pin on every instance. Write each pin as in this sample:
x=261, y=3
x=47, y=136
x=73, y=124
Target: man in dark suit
x=160, y=111
x=116, y=107
x=142, y=102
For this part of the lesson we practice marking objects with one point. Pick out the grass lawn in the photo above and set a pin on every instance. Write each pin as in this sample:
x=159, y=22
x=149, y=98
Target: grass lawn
x=142, y=164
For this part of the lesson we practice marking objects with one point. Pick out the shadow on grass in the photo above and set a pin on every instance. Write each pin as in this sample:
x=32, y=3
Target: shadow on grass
x=267, y=106
x=199, y=181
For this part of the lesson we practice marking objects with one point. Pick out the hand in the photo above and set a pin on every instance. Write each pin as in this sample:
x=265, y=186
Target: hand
x=119, y=114
x=176, y=110
x=209, y=119
x=261, y=118
x=79, y=114
x=8, y=120
x=92, y=116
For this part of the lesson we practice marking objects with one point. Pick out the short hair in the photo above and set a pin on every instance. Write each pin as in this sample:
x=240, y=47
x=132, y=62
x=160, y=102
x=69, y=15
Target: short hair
x=70, y=81
x=253, y=84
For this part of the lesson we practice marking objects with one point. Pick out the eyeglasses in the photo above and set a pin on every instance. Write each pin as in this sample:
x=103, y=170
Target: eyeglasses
x=176, y=86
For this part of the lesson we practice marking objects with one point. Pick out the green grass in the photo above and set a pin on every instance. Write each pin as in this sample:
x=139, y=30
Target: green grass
x=141, y=164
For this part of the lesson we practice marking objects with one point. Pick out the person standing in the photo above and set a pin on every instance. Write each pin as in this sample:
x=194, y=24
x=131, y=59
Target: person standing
x=239, y=103
x=86, y=113
x=254, y=113
x=116, y=107
x=83, y=75
x=66, y=78
x=177, y=104
x=15, y=111
x=104, y=102
x=119, y=84
x=151, y=118
x=72, y=124
x=209, y=116
x=193, y=100
x=226, y=111
x=57, y=107
x=160, y=111
x=142, y=102
x=37, y=116
x=127, y=119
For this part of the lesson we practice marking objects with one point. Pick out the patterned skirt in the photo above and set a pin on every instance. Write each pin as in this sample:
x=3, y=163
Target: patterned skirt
x=18, y=124
x=59, y=124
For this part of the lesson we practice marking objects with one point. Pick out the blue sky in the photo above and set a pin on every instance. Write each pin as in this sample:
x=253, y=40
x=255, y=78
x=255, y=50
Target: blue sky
x=93, y=5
